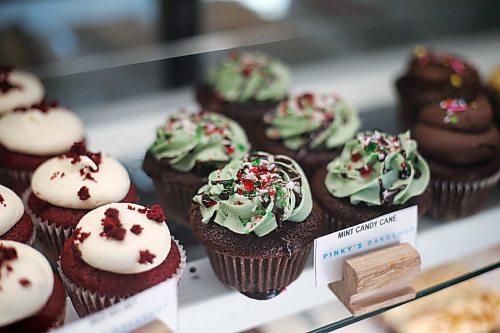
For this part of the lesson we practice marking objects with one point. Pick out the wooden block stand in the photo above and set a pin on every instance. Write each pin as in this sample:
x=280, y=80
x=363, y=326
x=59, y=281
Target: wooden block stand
x=377, y=279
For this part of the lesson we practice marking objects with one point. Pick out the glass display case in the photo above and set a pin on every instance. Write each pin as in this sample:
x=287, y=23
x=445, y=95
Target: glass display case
x=123, y=66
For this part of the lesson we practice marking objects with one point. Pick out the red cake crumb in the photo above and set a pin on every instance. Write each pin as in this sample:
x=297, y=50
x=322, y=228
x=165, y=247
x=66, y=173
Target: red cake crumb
x=24, y=282
x=78, y=149
x=83, y=193
x=155, y=213
x=2, y=201
x=146, y=257
x=7, y=254
x=130, y=207
x=136, y=229
x=81, y=236
x=112, y=227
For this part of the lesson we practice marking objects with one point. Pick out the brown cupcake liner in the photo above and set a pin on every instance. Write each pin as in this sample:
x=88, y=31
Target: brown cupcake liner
x=87, y=302
x=456, y=199
x=175, y=199
x=258, y=278
x=51, y=235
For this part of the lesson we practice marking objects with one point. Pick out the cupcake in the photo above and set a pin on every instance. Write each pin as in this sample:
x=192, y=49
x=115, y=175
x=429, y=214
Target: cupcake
x=375, y=174
x=29, y=136
x=432, y=77
x=32, y=297
x=494, y=91
x=18, y=89
x=187, y=148
x=462, y=145
x=66, y=187
x=15, y=223
x=257, y=221
x=244, y=86
x=309, y=128
x=117, y=251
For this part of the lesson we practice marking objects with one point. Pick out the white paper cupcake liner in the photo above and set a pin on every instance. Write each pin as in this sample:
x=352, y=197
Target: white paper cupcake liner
x=52, y=236
x=456, y=199
x=87, y=302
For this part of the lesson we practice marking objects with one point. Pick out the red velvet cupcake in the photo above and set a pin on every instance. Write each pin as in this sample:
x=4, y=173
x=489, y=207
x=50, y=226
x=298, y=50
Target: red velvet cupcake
x=32, y=297
x=66, y=187
x=117, y=251
x=29, y=136
x=15, y=223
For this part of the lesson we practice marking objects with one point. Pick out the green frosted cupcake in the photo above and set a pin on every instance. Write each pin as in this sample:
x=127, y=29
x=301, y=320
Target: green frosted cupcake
x=244, y=86
x=257, y=220
x=310, y=128
x=186, y=149
x=375, y=174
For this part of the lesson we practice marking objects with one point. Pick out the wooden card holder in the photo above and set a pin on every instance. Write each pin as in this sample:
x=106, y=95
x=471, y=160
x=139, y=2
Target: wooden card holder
x=155, y=326
x=377, y=279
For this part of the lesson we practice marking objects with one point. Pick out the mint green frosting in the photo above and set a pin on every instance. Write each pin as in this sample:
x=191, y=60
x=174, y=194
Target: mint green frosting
x=204, y=137
x=256, y=194
x=317, y=122
x=241, y=77
x=378, y=169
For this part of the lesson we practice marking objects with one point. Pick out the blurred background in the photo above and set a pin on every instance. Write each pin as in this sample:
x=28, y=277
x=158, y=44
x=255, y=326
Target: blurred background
x=92, y=51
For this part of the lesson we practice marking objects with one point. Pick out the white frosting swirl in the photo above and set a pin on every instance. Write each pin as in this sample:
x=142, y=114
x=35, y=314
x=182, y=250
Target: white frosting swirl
x=58, y=182
x=30, y=91
x=122, y=256
x=18, y=301
x=11, y=209
x=41, y=133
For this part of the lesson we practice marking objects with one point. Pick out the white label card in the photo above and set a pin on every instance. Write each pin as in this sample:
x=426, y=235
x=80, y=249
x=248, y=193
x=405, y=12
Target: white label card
x=158, y=302
x=331, y=251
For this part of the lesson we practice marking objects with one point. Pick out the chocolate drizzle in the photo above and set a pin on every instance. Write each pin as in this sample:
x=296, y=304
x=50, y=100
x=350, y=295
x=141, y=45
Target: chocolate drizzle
x=386, y=195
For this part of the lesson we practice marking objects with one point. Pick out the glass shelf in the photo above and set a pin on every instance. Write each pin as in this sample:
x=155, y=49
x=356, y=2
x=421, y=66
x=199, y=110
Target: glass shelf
x=124, y=94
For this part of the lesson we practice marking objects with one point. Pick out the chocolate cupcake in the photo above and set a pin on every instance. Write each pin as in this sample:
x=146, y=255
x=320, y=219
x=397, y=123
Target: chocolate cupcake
x=432, y=77
x=187, y=148
x=32, y=297
x=494, y=92
x=244, y=86
x=256, y=219
x=375, y=174
x=462, y=145
x=15, y=223
x=29, y=136
x=117, y=251
x=66, y=187
x=309, y=128
x=18, y=89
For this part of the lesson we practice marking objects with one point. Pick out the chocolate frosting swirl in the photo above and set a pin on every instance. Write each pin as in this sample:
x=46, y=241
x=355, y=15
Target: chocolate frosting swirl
x=458, y=132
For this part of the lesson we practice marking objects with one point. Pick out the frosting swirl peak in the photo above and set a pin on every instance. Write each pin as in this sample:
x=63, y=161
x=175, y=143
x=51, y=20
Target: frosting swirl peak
x=378, y=169
x=188, y=140
x=256, y=194
x=18, y=89
x=245, y=76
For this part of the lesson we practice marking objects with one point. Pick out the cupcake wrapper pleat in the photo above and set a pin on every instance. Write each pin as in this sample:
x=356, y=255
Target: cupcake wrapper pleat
x=175, y=199
x=17, y=180
x=455, y=199
x=51, y=235
x=256, y=275
x=87, y=302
